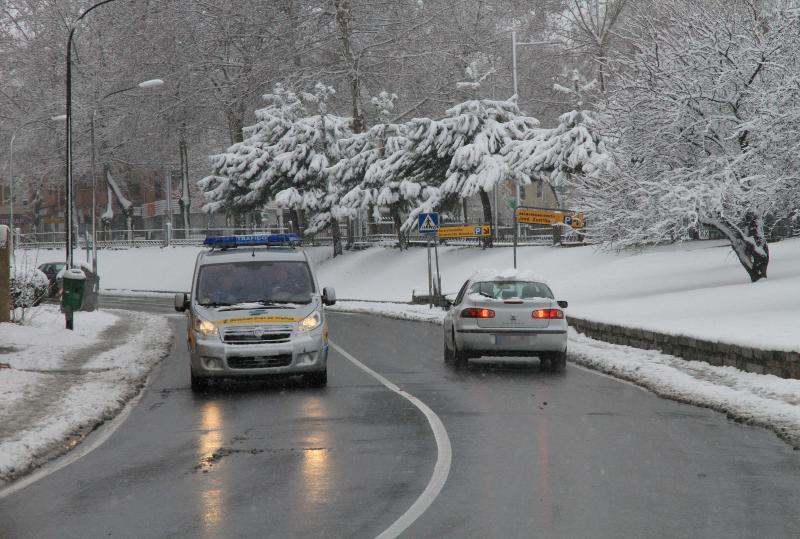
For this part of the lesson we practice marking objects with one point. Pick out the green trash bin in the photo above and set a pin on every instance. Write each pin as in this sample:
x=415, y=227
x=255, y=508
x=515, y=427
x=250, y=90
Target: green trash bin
x=73, y=284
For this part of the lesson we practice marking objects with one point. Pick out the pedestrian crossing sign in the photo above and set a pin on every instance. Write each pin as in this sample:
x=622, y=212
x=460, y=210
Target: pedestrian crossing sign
x=428, y=223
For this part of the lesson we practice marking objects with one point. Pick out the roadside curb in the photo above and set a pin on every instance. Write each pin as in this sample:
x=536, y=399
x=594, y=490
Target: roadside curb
x=776, y=362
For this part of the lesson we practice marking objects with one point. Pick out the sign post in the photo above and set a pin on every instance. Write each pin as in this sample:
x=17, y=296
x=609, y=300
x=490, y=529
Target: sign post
x=428, y=225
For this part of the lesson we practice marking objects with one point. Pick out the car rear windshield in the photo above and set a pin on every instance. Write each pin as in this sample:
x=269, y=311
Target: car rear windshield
x=252, y=282
x=511, y=289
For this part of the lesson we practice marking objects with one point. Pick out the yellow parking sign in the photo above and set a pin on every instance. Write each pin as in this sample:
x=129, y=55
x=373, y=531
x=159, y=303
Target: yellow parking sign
x=535, y=216
x=468, y=231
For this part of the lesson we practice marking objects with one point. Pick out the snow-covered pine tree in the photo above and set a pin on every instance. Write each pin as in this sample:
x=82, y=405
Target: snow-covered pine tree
x=456, y=156
x=480, y=129
x=358, y=173
x=297, y=175
x=564, y=154
x=236, y=183
x=560, y=155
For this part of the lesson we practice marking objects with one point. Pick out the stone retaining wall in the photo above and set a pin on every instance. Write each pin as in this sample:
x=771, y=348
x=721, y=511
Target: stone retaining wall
x=779, y=363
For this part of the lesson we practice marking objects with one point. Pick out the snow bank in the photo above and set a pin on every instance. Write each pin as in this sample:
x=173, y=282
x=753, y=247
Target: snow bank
x=60, y=384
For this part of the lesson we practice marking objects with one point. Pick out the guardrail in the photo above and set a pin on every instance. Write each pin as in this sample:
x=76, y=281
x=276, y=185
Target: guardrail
x=122, y=239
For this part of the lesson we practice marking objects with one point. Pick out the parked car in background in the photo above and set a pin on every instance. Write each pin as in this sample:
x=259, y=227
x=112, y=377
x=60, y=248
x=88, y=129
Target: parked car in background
x=51, y=270
x=506, y=313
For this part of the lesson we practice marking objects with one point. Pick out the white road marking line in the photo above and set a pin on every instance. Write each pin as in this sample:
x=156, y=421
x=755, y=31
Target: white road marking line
x=444, y=455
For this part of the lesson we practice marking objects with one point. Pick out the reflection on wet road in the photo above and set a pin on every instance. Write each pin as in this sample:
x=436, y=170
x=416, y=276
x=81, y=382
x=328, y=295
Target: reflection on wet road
x=534, y=454
x=210, y=442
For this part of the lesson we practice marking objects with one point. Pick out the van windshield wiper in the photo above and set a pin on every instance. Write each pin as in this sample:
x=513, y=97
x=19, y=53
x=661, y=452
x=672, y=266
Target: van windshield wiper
x=215, y=304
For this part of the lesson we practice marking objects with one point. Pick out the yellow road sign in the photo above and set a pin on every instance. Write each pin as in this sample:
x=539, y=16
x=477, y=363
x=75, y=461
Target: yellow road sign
x=469, y=231
x=549, y=217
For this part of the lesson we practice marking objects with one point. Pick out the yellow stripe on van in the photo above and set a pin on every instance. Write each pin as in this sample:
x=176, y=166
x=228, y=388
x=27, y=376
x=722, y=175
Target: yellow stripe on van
x=257, y=320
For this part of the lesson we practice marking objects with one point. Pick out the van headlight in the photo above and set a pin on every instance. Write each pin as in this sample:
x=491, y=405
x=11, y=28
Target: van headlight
x=312, y=321
x=205, y=328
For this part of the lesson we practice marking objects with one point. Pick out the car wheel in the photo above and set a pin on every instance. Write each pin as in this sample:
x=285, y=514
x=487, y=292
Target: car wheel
x=558, y=361
x=448, y=353
x=199, y=383
x=316, y=379
x=460, y=357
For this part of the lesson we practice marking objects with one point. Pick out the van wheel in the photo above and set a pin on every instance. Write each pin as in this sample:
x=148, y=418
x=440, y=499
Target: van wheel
x=199, y=383
x=316, y=379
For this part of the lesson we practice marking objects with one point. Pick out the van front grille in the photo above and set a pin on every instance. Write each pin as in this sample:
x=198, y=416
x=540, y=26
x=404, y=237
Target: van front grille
x=259, y=362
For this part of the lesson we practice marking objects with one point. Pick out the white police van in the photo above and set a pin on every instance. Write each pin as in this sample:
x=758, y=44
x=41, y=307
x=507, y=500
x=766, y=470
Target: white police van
x=255, y=310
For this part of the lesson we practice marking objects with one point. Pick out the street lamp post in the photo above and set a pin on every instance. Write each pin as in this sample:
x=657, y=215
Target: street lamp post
x=514, y=44
x=68, y=314
x=153, y=83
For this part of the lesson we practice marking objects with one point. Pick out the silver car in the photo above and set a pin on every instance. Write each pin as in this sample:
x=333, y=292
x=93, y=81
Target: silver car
x=506, y=313
x=255, y=310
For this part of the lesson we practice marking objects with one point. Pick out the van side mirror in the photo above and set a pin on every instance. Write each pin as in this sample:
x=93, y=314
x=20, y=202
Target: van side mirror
x=329, y=295
x=181, y=302
x=562, y=304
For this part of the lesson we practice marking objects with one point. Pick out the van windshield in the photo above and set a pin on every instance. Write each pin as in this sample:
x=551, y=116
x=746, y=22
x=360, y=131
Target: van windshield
x=254, y=282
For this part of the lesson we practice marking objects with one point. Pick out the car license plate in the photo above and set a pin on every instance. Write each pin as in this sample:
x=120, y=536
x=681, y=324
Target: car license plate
x=511, y=340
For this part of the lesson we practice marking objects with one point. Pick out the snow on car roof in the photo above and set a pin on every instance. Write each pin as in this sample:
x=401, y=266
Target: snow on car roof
x=508, y=274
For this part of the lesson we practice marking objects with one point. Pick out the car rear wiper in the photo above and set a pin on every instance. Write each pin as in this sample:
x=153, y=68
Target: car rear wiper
x=484, y=294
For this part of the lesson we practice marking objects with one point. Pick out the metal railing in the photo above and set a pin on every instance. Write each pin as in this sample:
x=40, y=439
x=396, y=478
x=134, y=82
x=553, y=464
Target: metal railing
x=124, y=239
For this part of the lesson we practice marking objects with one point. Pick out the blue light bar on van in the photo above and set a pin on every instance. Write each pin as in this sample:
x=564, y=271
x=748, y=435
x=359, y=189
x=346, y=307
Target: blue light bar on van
x=254, y=240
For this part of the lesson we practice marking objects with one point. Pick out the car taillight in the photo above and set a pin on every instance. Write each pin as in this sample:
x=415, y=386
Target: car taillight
x=548, y=313
x=477, y=313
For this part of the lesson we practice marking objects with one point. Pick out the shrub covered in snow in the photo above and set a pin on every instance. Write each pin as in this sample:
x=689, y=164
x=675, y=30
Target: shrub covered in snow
x=28, y=287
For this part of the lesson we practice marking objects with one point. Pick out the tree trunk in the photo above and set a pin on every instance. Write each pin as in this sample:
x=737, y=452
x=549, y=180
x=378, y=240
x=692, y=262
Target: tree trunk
x=372, y=225
x=235, y=117
x=350, y=233
x=343, y=17
x=398, y=223
x=185, y=201
x=296, y=224
x=749, y=243
x=337, y=237
x=487, y=217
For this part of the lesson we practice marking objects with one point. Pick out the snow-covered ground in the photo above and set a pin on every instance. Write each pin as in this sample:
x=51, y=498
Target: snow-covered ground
x=697, y=289
x=56, y=385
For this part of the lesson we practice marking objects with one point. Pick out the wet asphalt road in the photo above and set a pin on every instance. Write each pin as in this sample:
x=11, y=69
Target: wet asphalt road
x=535, y=454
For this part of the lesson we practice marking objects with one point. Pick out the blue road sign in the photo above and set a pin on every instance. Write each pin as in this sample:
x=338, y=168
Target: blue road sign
x=428, y=223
